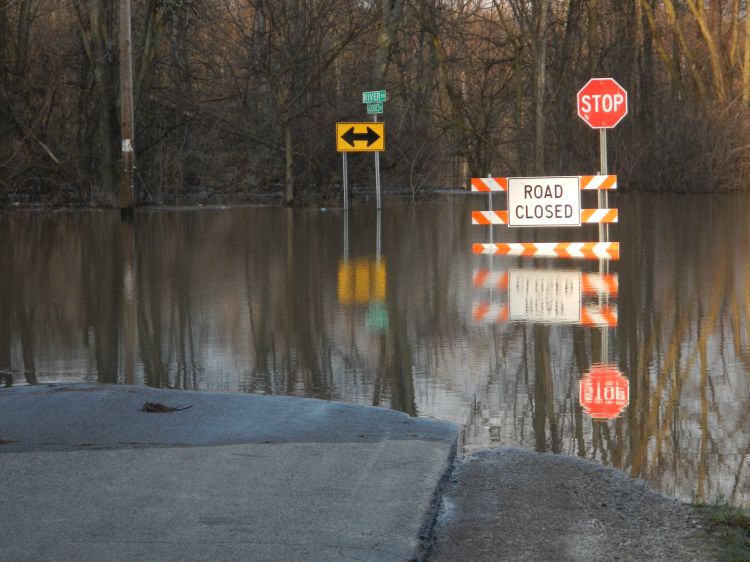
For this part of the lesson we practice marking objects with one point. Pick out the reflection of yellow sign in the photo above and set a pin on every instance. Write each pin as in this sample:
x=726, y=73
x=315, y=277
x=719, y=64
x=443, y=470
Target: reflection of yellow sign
x=362, y=281
x=360, y=137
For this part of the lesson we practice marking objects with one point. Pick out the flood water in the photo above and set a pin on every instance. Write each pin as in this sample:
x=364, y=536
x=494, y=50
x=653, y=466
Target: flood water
x=398, y=312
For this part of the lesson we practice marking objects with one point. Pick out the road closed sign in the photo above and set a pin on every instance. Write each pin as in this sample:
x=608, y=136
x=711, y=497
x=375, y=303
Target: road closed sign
x=544, y=201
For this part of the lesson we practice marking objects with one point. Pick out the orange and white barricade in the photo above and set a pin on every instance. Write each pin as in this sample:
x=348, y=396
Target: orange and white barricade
x=573, y=250
x=588, y=216
x=484, y=185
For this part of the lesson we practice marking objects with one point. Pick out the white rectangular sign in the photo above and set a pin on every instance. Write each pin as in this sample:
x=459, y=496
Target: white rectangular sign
x=545, y=201
x=544, y=295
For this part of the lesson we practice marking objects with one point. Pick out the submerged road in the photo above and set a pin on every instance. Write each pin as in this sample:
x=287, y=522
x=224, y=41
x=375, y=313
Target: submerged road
x=89, y=475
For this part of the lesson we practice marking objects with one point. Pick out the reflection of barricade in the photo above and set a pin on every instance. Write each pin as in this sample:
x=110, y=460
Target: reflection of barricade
x=361, y=281
x=590, y=315
x=550, y=296
x=591, y=283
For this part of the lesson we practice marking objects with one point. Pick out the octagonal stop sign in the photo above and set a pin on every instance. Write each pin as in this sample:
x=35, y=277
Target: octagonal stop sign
x=602, y=103
x=604, y=392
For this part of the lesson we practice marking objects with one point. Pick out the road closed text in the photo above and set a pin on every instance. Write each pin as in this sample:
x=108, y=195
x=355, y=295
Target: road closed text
x=544, y=201
x=548, y=211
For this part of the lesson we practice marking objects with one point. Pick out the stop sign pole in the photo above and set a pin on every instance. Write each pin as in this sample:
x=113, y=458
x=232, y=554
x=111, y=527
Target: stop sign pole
x=602, y=103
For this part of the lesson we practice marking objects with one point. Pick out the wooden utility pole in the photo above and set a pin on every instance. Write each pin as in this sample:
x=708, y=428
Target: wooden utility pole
x=127, y=129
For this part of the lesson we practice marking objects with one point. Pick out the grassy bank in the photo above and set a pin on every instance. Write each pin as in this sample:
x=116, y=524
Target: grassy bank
x=731, y=526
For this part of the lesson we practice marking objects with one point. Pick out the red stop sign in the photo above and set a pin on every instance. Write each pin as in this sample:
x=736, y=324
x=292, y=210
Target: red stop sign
x=602, y=103
x=604, y=392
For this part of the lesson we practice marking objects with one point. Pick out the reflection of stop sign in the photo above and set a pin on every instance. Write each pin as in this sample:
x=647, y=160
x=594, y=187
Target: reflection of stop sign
x=603, y=392
x=602, y=103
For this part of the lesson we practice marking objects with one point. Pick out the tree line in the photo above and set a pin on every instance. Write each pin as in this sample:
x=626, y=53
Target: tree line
x=239, y=98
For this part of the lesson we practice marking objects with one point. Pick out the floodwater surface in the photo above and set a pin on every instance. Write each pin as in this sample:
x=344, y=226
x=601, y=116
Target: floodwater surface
x=642, y=363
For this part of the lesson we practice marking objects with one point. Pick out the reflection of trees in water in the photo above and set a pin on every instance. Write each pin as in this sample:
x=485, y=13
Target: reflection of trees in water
x=302, y=340
x=101, y=277
x=680, y=426
x=54, y=295
x=6, y=290
x=184, y=299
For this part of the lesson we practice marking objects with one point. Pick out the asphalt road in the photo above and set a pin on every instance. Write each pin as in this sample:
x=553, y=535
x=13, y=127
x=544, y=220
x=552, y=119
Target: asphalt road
x=88, y=476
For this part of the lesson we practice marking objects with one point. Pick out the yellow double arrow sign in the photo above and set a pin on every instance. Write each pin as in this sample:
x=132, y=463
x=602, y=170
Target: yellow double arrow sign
x=360, y=137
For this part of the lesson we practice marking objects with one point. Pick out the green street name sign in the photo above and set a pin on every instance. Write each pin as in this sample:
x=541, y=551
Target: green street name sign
x=374, y=108
x=372, y=97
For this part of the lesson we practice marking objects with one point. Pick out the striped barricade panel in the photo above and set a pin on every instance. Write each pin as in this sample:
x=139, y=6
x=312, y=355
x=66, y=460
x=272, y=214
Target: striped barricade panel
x=573, y=250
x=489, y=184
x=501, y=184
x=489, y=217
x=598, y=182
x=599, y=216
x=588, y=216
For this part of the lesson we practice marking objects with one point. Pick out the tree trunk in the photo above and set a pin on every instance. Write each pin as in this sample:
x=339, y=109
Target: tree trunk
x=734, y=37
x=103, y=23
x=457, y=107
x=539, y=56
x=566, y=83
x=148, y=48
x=647, y=71
x=22, y=41
x=672, y=62
x=625, y=48
x=717, y=69
x=3, y=38
x=392, y=11
x=681, y=46
x=746, y=64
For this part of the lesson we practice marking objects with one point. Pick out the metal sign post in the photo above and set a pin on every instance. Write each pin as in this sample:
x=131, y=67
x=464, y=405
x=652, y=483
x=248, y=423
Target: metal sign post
x=602, y=195
x=345, y=181
x=602, y=103
x=127, y=120
x=374, y=101
x=377, y=171
x=489, y=196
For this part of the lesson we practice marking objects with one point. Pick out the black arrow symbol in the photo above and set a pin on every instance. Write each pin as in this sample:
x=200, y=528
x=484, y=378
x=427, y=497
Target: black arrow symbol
x=351, y=137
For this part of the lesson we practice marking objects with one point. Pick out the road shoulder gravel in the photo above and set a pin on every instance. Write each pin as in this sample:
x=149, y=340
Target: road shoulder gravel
x=514, y=504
